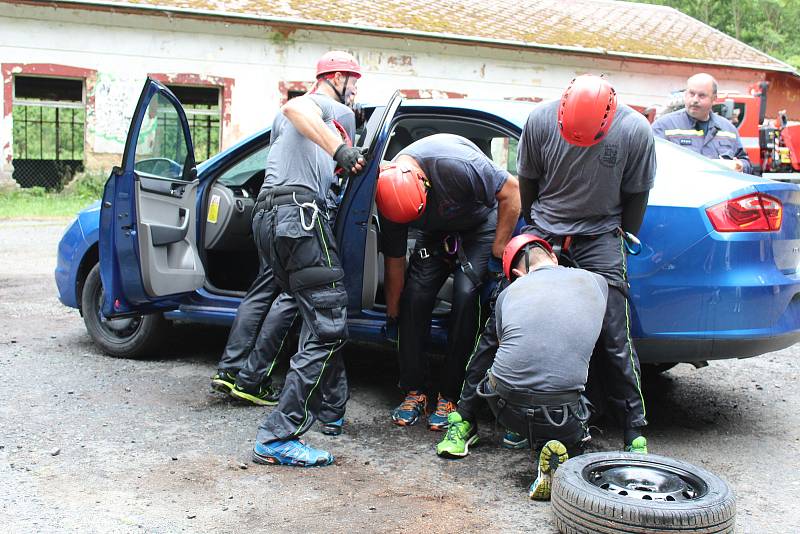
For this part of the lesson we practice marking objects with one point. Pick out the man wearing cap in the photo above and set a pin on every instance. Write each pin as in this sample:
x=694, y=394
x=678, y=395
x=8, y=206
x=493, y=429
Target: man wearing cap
x=698, y=128
x=533, y=374
x=291, y=228
x=466, y=208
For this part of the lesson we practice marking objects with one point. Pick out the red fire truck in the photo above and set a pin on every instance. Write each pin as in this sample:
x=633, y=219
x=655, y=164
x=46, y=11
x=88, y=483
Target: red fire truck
x=773, y=145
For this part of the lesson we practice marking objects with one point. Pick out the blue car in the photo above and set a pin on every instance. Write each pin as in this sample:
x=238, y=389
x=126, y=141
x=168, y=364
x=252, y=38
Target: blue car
x=716, y=277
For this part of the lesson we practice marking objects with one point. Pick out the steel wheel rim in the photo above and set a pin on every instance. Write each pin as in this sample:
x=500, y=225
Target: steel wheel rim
x=121, y=329
x=644, y=481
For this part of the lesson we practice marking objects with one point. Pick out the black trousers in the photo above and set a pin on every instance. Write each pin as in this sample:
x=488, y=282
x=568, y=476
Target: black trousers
x=540, y=422
x=427, y=272
x=615, y=363
x=305, y=265
x=258, y=335
x=259, y=330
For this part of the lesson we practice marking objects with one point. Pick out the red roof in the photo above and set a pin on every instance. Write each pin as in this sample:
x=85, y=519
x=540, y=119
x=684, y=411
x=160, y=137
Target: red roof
x=603, y=27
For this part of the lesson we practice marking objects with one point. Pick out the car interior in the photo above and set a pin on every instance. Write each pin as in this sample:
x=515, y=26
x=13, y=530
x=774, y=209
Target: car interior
x=230, y=255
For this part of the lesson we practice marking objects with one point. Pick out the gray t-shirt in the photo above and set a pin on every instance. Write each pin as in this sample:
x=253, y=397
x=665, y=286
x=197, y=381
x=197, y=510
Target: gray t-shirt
x=295, y=160
x=580, y=188
x=464, y=184
x=547, y=323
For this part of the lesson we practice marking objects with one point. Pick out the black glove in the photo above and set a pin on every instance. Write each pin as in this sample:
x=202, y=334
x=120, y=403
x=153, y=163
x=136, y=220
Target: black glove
x=347, y=157
x=390, y=329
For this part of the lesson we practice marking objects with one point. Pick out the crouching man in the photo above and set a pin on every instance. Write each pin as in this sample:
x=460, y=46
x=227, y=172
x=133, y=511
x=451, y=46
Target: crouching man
x=532, y=362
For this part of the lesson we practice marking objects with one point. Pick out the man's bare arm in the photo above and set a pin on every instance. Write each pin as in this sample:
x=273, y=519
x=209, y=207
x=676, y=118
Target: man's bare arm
x=508, y=206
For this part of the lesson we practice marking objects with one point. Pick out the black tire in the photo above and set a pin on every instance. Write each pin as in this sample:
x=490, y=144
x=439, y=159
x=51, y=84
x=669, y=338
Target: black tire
x=580, y=506
x=132, y=337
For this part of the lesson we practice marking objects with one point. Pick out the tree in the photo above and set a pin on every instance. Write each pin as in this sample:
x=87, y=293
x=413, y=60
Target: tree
x=767, y=25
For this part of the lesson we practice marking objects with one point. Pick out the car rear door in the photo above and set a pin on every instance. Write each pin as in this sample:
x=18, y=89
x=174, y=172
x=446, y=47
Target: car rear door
x=353, y=219
x=148, y=253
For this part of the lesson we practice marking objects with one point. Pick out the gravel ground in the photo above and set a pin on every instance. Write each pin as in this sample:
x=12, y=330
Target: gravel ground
x=90, y=443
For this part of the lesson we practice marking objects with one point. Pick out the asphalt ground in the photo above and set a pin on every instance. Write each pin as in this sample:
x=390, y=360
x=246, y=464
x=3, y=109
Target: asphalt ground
x=90, y=443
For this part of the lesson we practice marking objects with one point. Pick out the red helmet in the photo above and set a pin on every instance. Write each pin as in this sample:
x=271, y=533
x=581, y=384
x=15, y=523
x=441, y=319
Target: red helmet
x=338, y=61
x=402, y=193
x=518, y=244
x=587, y=110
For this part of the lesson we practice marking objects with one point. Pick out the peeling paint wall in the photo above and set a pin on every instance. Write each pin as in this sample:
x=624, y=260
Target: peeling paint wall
x=256, y=66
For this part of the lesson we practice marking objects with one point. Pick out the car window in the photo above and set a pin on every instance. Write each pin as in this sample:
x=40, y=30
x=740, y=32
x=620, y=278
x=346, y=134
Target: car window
x=242, y=171
x=504, y=153
x=738, y=112
x=161, y=148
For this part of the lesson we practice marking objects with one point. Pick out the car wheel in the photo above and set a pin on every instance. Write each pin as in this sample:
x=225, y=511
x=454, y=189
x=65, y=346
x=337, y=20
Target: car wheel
x=129, y=337
x=635, y=493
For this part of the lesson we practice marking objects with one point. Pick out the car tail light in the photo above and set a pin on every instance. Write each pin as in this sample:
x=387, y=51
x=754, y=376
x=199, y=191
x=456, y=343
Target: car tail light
x=751, y=213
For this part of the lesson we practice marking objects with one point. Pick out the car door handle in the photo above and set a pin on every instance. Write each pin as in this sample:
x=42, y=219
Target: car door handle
x=164, y=235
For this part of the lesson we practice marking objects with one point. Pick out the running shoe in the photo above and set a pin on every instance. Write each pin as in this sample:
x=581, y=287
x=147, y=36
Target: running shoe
x=223, y=381
x=261, y=396
x=553, y=454
x=334, y=428
x=460, y=435
x=438, y=419
x=411, y=409
x=292, y=452
x=638, y=445
x=512, y=440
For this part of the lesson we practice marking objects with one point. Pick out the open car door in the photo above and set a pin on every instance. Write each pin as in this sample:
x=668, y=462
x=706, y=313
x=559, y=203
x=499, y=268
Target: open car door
x=148, y=252
x=358, y=244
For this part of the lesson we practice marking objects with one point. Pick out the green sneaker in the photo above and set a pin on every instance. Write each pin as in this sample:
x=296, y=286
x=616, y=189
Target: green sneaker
x=223, y=382
x=553, y=454
x=460, y=435
x=639, y=445
x=263, y=396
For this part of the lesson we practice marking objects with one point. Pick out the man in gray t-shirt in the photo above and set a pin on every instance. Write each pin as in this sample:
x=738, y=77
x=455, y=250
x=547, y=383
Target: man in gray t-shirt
x=586, y=165
x=298, y=255
x=539, y=344
x=547, y=323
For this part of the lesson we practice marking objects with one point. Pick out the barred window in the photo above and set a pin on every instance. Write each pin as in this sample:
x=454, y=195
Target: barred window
x=48, y=117
x=202, y=107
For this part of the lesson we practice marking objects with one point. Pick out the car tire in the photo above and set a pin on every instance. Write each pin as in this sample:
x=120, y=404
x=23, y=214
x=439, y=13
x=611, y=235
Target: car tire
x=639, y=493
x=131, y=337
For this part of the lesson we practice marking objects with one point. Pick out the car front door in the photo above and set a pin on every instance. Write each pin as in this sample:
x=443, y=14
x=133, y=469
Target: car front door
x=148, y=253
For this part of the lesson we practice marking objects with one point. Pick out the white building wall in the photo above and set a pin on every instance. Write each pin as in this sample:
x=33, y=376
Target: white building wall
x=124, y=48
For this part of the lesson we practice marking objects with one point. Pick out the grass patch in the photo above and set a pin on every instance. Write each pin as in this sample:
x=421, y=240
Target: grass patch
x=38, y=203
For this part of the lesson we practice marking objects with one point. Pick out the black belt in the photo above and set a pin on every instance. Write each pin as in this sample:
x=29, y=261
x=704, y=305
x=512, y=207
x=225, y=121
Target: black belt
x=533, y=398
x=282, y=195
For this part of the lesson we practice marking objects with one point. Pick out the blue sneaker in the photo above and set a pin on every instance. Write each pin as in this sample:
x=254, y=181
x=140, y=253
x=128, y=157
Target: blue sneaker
x=438, y=419
x=334, y=428
x=411, y=409
x=293, y=452
x=512, y=440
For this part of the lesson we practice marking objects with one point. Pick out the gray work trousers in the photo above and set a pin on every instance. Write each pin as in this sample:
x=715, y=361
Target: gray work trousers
x=306, y=266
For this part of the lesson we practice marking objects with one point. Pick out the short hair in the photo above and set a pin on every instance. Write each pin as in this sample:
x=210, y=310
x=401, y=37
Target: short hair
x=705, y=74
x=535, y=255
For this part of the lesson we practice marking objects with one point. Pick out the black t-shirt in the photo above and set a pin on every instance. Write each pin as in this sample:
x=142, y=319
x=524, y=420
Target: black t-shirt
x=464, y=184
x=702, y=125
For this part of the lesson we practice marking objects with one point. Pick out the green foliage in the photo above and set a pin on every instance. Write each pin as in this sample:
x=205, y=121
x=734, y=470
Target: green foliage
x=39, y=203
x=768, y=25
x=88, y=186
